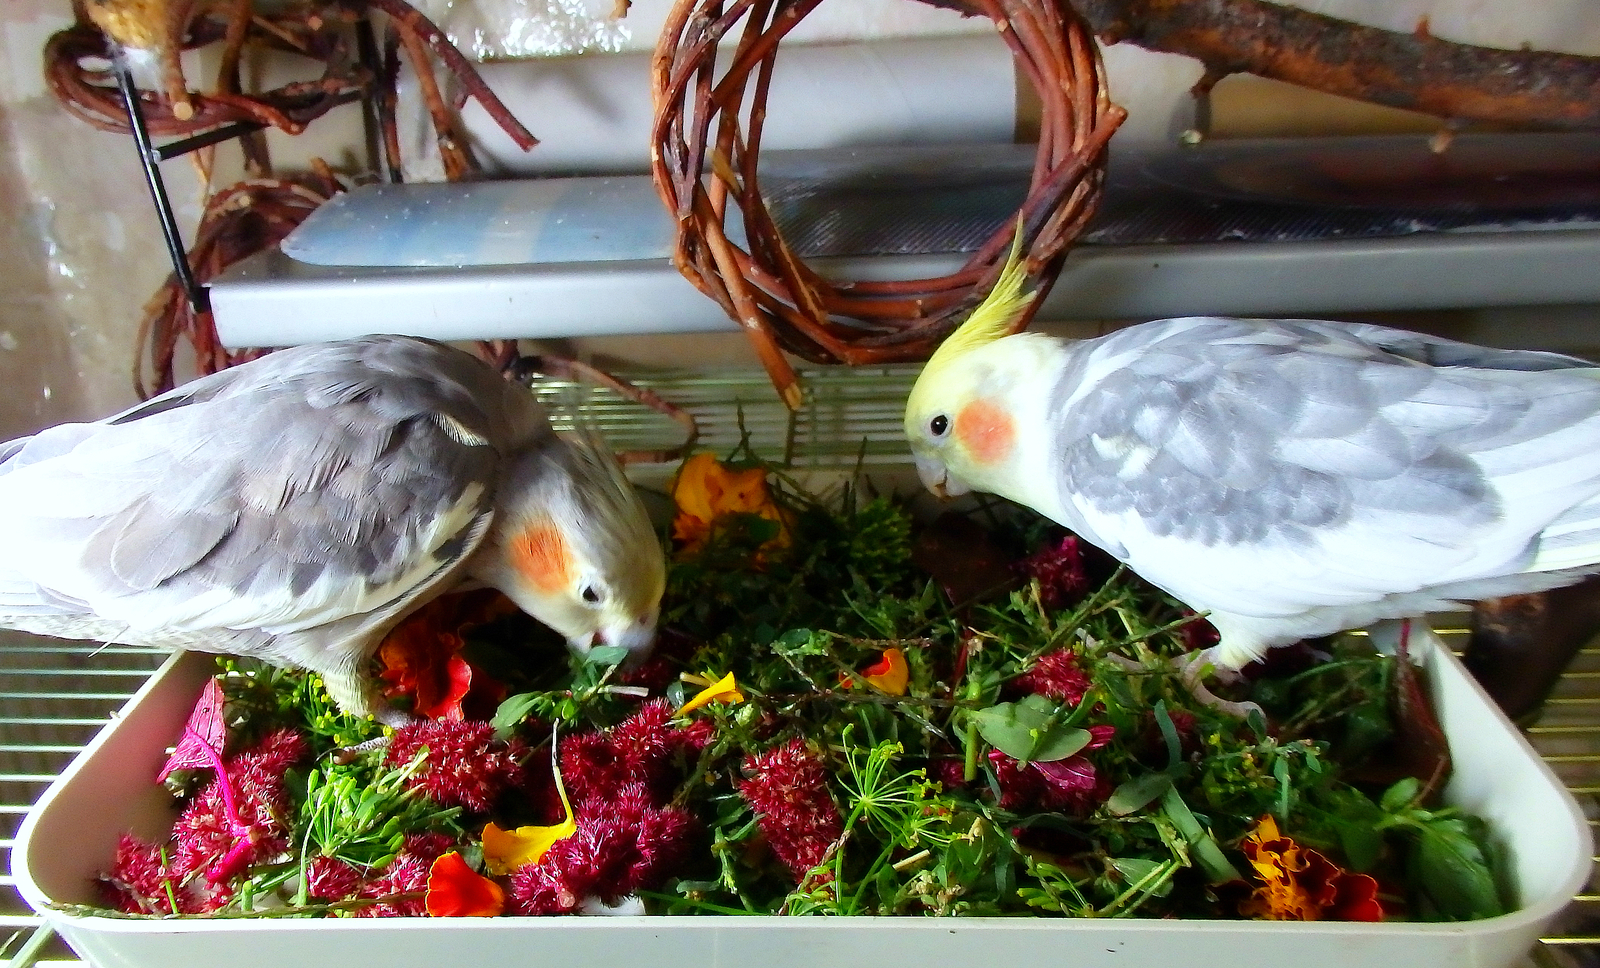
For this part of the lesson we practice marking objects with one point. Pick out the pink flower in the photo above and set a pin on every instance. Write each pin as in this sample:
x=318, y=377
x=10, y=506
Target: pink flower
x=465, y=766
x=787, y=789
x=1056, y=675
x=1059, y=569
x=204, y=839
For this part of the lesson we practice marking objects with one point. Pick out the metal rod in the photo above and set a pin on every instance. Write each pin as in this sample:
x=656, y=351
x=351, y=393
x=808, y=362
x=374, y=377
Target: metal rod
x=28, y=953
x=174, y=149
x=199, y=297
x=371, y=116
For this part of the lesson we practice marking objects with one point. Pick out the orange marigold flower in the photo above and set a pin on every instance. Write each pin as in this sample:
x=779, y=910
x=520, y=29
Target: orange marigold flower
x=1299, y=884
x=457, y=891
x=706, y=490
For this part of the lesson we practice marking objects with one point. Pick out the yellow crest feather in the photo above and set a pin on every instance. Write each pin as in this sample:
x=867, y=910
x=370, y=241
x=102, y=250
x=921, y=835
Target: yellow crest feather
x=993, y=317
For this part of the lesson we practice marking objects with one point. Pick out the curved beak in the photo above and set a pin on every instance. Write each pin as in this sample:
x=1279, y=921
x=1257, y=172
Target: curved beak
x=639, y=638
x=936, y=478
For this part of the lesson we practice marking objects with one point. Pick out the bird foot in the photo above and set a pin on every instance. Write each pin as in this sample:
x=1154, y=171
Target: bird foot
x=1192, y=669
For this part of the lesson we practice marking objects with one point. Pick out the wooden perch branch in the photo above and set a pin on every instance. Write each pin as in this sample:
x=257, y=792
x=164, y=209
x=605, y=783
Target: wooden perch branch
x=1416, y=71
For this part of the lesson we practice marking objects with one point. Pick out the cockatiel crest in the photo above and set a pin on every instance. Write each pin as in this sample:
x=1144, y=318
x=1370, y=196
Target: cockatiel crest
x=1291, y=478
x=296, y=508
x=957, y=413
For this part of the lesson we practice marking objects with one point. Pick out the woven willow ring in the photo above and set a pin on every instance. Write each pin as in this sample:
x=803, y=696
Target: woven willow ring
x=706, y=122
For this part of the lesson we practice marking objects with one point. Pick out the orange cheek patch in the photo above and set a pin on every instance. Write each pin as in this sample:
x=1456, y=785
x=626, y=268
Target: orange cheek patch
x=986, y=431
x=541, y=554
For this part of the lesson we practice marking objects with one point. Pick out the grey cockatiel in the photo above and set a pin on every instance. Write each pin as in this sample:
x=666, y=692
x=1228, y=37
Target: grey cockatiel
x=297, y=507
x=1291, y=478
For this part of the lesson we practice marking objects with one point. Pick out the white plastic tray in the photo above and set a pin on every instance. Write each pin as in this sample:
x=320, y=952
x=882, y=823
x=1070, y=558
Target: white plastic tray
x=108, y=790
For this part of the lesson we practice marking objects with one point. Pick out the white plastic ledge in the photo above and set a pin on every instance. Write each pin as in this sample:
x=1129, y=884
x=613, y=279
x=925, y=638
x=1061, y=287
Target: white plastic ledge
x=272, y=300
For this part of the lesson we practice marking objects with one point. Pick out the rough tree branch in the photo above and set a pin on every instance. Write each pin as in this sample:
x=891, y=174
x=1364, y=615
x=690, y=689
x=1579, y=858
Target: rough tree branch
x=1416, y=71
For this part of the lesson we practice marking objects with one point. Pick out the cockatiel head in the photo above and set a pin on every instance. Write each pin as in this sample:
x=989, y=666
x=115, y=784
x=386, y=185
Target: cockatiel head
x=572, y=546
x=962, y=416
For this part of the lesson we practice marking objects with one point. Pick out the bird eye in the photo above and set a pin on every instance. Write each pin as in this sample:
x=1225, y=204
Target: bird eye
x=591, y=594
x=939, y=425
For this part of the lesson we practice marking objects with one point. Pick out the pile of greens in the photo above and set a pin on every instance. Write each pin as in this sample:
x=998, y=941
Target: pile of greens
x=972, y=717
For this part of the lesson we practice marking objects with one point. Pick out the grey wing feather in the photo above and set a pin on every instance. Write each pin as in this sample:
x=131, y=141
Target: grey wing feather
x=283, y=495
x=1245, y=432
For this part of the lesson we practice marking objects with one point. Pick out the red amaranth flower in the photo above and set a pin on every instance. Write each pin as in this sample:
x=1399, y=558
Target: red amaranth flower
x=641, y=749
x=669, y=656
x=627, y=844
x=628, y=838
x=331, y=879
x=138, y=882
x=465, y=765
x=1060, y=572
x=1056, y=675
x=787, y=788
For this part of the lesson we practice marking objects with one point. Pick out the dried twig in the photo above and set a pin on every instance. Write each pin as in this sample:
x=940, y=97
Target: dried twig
x=87, y=91
x=238, y=221
x=562, y=368
x=707, y=117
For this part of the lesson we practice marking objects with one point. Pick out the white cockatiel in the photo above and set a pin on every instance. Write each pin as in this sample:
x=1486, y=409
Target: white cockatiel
x=1291, y=478
x=296, y=508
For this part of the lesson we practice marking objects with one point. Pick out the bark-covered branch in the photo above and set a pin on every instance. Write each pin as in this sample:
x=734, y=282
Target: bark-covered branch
x=1416, y=71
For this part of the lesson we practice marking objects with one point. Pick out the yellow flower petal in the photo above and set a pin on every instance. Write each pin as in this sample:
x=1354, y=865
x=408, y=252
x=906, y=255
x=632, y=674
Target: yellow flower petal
x=507, y=851
x=723, y=690
x=890, y=673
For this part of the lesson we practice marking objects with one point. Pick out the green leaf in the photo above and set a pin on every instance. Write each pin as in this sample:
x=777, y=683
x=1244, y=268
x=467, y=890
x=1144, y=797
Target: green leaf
x=1136, y=869
x=1401, y=795
x=1024, y=731
x=513, y=711
x=1206, y=852
x=1169, y=734
x=1362, y=844
x=1137, y=792
x=1453, y=873
x=606, y=656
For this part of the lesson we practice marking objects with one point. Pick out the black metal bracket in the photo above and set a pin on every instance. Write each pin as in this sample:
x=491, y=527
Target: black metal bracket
x=152, y=155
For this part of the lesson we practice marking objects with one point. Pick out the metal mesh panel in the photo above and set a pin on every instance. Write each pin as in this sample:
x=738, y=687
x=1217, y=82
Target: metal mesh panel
x=54, y=697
